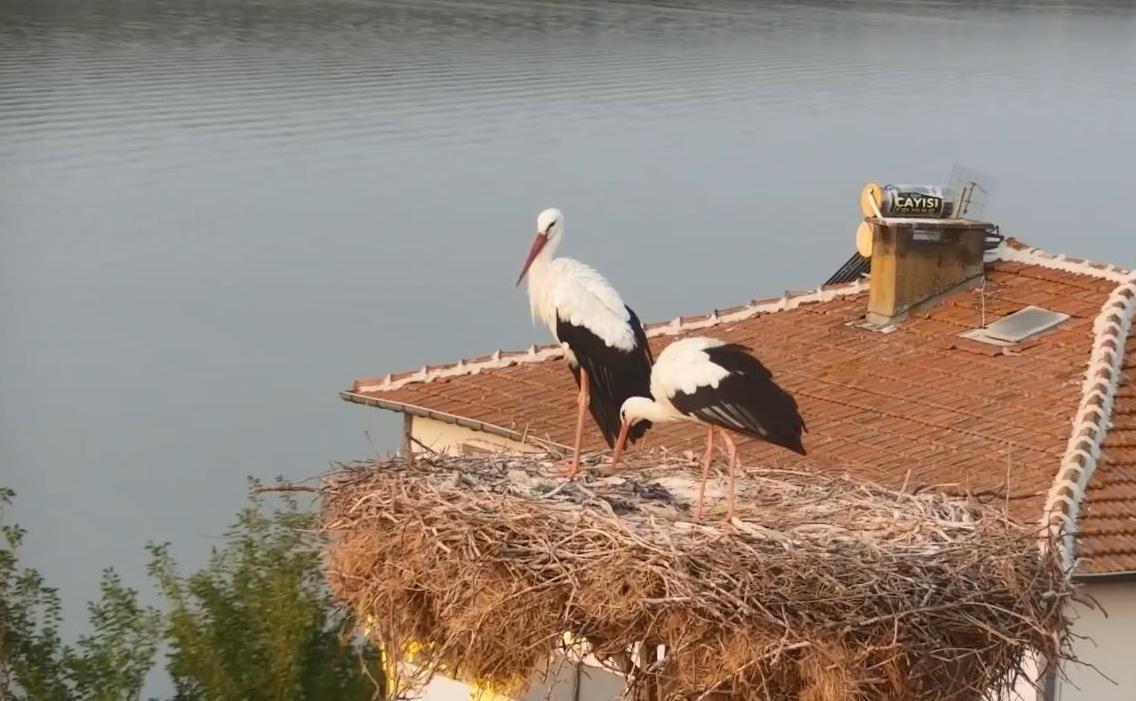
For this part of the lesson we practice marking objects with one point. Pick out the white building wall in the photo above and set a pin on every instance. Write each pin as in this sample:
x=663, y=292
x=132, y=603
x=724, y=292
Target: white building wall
x=1026, y=689
x=1111, y=648
x=441, y=688
x=443, y=437
x=595, y=684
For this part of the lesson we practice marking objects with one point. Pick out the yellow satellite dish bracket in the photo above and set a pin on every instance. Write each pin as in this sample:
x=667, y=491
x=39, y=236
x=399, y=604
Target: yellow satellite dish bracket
x=871, y=199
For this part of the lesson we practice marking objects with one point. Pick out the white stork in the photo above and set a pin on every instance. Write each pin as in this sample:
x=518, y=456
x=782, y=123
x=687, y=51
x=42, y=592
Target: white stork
x=720, y=385
x=606, y=348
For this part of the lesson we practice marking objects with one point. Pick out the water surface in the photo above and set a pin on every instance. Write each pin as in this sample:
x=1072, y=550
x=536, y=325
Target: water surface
x=215, y=213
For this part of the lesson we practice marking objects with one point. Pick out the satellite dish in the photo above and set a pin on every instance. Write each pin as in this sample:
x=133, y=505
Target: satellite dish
x=864, y=235
x=871, y=199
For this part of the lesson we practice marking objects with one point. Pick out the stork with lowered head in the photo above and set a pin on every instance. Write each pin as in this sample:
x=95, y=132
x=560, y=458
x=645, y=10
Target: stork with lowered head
x=722, y=386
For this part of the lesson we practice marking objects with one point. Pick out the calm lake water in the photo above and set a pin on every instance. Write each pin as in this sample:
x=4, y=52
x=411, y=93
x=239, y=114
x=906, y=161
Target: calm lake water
x=215, y=213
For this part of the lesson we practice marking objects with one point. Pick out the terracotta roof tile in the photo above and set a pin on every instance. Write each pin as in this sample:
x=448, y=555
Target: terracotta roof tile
x=1107, y=527
x=918, y=405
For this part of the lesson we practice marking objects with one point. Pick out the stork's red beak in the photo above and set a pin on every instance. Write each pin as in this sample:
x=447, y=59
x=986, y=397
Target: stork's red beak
x=620, y=443
x=537, y=244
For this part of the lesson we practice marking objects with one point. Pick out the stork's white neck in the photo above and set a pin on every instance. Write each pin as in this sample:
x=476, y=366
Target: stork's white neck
x=538, y=284
x=638, y=408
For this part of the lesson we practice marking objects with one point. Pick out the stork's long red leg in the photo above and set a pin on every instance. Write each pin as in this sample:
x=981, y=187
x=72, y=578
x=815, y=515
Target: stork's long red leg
x=620, y=444
x=733, y=450
x=705, y=471
x=573, y=466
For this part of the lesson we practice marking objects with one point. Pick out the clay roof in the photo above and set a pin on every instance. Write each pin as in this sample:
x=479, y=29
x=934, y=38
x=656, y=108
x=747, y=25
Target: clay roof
x=1107, y=528
x=916, y=405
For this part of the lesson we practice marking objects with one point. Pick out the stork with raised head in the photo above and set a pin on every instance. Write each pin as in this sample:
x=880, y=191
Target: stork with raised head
x=605, y=344
x=723, y=386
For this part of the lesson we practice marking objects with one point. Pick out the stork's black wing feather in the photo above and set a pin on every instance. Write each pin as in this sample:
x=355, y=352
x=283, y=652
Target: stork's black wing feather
x=747, y=400
x=641, y=342
x=738, y=358
x=615, y=374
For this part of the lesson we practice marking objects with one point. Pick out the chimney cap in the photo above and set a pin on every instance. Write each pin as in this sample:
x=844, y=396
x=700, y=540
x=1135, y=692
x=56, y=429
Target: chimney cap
x=929, y=222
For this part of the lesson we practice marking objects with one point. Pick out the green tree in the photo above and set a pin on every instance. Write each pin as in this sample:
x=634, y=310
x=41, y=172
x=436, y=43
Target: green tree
x=108, y=664
x=31, y=665
x=257, y=623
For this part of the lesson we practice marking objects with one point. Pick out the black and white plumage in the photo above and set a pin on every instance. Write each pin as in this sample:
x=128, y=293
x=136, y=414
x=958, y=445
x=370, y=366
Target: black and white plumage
x=723, y=386
x=604, y=340
x=615, y=374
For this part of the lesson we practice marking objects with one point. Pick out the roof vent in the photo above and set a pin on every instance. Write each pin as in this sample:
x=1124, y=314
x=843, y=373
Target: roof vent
x=1017, y=326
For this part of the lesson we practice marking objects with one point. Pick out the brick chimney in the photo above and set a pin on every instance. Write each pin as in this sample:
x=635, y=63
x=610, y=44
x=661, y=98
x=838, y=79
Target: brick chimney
x=915, y=260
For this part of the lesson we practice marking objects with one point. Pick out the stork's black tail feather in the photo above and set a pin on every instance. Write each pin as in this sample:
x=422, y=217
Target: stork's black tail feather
x=614, y=375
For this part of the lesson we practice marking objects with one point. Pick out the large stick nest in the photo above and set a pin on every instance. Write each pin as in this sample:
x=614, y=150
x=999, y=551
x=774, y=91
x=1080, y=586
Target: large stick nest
x=821, y=589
